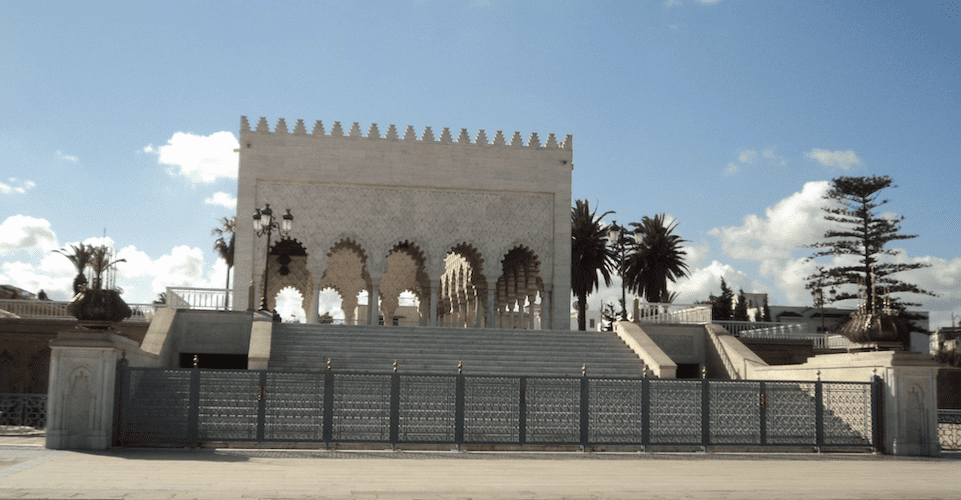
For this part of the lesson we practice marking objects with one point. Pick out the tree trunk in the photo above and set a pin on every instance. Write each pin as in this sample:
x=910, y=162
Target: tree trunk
x=582, y=312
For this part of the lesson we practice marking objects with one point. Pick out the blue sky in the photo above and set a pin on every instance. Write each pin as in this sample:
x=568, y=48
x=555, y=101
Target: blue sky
x=729, y=115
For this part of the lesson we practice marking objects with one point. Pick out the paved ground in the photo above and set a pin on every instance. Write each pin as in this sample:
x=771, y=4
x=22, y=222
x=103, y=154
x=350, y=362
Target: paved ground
x=27, y=470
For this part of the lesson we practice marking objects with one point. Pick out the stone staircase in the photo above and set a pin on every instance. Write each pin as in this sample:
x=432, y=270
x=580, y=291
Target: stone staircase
x=306, y=347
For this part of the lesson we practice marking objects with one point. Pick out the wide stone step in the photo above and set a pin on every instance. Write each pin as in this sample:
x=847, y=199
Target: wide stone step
x=439, y=350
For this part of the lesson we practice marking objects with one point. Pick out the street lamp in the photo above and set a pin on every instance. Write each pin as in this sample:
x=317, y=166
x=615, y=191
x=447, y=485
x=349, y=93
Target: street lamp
x=264, y=223
x=818, y=294
x=616, y=234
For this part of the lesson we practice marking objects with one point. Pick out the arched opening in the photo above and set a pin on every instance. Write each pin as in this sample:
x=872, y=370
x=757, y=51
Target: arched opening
x=330, y=307
x=519, y=291
x=290, y=305
x=287, y=267
x=462, y=297
x=406, y=278
x=346, y=274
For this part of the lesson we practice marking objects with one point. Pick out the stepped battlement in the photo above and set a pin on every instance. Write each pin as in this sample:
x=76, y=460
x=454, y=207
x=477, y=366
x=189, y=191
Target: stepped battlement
x=373, y=133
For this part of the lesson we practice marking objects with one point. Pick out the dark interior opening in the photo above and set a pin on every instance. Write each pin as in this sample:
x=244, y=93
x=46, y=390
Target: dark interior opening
x=688, y=370
x=215, y=361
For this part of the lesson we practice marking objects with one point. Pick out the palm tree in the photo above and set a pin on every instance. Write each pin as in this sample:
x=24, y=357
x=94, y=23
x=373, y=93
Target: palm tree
x=100, y=261
x=656, y=258
x=80, y=257
x=590, y=255
x=224, y=246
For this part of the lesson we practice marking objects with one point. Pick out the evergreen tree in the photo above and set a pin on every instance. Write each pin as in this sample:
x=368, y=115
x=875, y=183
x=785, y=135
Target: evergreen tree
x=861, y=236
x=766, y=314
x=721, y=308
x=740, y=309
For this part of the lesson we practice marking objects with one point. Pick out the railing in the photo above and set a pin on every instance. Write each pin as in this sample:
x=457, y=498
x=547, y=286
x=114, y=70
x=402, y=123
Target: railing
x=49, y=309
x=199, y=298
x=763, y=330
x=25, y=308
x=725, y=359
x=949, y=429
x=165, y=406
x=790, y=331
x=673, y=313
x=23, y=410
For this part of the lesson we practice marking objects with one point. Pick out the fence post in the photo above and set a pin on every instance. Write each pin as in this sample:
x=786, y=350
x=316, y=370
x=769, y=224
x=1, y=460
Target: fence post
x=877, y=399
x=193, y=409
x=394, y=407
x=328, y=405
x=262, y=405
x=645, y=412
x=459, y=391
x=705, y=413
x=585, y=411
x=819, y=412
x=522, y=413
x=119, y=405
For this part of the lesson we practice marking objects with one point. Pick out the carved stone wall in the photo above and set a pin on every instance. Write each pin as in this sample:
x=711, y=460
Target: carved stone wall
x=437, y=195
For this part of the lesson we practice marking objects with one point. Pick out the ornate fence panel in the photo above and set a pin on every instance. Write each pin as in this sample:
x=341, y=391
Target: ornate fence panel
x=177, y=407
x=23, y=410
x=949, y=429
x=735, y=413
x=617, y=411
x=427, y=409
x=790, y=413
x=675, y=412
x=296, y=407
x=492, y=409
x=552, y=410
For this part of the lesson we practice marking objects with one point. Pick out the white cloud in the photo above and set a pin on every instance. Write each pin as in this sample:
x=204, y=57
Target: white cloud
x=708, y=2
x=223, y=199
x=747, y=156
x=16, y=186
x=21, y=232
x=791, y=223
x=199, y=158
x=65, y=157
x=672, y=3
x=837, y=159
x=732, y=169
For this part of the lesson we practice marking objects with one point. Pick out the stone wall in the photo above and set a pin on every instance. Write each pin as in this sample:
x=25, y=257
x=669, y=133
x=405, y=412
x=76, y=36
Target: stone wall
x=492, y=195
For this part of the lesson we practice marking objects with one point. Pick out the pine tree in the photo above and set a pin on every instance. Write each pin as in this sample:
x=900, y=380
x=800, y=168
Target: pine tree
x=722, y=306
x=860, y=240
x=740, y=310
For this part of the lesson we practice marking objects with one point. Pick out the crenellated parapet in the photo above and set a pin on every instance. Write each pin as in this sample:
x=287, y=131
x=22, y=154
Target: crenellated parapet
x=427, y=136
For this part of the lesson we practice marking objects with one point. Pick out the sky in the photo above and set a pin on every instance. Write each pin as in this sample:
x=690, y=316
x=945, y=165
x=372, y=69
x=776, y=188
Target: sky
x=118, y=120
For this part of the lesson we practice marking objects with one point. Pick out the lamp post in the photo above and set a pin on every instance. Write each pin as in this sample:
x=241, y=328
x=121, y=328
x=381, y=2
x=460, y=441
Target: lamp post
x=617, y=235
x=265, y=223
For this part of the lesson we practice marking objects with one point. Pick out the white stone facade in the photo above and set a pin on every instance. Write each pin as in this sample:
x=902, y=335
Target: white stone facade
x=475, y=228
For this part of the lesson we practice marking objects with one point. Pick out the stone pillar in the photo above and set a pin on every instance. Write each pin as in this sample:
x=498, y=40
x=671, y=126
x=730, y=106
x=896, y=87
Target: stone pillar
x=432, y=307
x=80, y=394
x=373, y=301
x=313, y=315
x=491, y=309
x=547, y=310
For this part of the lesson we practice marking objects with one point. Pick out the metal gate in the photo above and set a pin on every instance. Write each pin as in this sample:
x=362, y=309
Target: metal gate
x=190, y=407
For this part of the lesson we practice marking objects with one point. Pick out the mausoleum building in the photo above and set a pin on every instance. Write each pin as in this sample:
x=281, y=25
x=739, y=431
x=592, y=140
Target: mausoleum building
x=477, y=228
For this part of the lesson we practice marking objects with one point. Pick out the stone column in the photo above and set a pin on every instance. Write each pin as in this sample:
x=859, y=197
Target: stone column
x=432, y=307
x=373, y=301
x=491, y=309
x=80, y=394
x=313, y=315
x=547, y=309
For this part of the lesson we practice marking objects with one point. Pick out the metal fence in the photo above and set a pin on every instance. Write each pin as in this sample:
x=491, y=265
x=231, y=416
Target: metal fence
x=23, y=410
x=949, y=429
x=187, y=407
